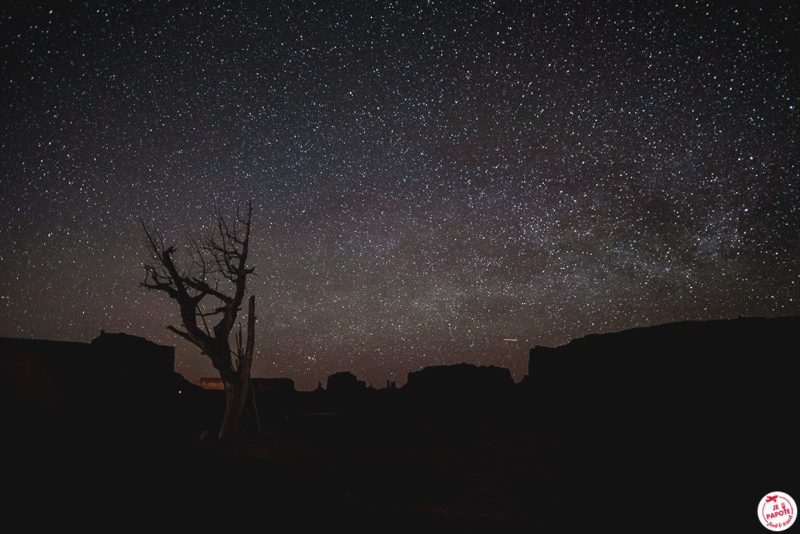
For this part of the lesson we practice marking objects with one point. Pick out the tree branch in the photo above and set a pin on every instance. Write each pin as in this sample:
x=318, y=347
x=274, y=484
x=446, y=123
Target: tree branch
x=219, y=258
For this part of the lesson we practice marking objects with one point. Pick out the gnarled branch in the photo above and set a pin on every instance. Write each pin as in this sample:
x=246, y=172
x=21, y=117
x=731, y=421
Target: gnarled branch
x=216, y=268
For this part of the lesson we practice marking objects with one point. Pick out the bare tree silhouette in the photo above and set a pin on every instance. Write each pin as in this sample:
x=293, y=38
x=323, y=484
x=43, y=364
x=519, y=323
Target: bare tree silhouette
x=217, y=268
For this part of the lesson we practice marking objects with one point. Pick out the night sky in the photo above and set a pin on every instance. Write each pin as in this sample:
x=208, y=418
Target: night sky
x=427, y=178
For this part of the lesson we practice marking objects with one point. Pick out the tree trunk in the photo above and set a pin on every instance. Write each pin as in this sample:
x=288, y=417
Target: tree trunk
x=235, y=401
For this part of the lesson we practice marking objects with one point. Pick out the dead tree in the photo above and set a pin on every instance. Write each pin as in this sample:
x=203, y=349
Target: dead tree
x=216, y=268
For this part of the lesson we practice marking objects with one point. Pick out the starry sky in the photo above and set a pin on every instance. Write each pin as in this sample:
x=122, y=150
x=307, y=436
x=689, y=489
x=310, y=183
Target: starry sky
x=427, y=178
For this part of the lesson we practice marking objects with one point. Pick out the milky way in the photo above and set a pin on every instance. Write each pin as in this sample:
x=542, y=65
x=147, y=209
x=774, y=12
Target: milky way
x=428, y=179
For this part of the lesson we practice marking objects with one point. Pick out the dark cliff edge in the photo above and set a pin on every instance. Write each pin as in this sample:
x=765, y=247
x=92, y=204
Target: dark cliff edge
x=691, y=370
x=658, y=418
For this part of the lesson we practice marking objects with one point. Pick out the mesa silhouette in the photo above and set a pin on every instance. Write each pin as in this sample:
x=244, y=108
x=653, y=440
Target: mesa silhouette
x=689, y=373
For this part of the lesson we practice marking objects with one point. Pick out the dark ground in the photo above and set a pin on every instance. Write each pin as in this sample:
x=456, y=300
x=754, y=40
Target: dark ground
x=479, y=474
